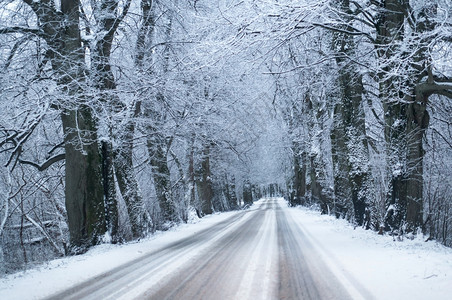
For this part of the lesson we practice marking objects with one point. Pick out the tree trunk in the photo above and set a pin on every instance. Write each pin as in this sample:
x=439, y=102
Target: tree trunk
x=299, y=180
x=139, y=217
x=349, y=138
x=161, y=175
x=405, y=113
x=83, y=184
x=417, y=123
x=343, y=205
x=230, y=193
x=316, y=165
x=317, y=195
x=352, y=138
x=118, y=161
x=247, y=193
x=204, y=182
x=191, y=174
x=390, y=29
x=111, y=205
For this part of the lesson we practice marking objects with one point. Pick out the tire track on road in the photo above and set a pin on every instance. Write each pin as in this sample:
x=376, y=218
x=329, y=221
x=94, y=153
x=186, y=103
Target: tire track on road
x=110, y=282
x=220, y=273
x=260, y=253
x=303, y=275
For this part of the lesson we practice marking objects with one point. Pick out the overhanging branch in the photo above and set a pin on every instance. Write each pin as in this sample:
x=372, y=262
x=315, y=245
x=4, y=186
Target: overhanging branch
x=119, y=19
x=46, y=164
x=352, y=31
x=443, y=88
x=23, y=30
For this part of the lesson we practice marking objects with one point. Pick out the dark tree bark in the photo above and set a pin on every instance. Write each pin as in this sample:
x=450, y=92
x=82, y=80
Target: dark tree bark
x=316, y=170
x=139, y=217
x=230, y=193
x=299, y=177
x=191, y=174
x=83, y=183
x=204, y=182
x=418, y=120
x=348, y=137
x=111, y=204
x=118, y=163
x=157, y=142
x=161, y=174
x=406, y=112
x=247, y=193
x=390, y=29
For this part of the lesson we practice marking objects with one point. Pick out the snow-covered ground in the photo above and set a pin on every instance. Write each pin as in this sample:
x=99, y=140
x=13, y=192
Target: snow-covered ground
x=369, y=265
x=63, y=273
x=387, y=269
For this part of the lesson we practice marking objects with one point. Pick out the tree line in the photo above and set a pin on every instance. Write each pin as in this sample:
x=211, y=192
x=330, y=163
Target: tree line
x=114, y=125
x=120, y=118
x=363, y=87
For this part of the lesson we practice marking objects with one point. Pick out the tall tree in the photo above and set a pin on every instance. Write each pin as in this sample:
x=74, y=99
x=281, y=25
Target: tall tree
x=117, y=145
x=348, y=137
x=154, y=108
x=406, y=96
x=204, y=181
x=83, y=183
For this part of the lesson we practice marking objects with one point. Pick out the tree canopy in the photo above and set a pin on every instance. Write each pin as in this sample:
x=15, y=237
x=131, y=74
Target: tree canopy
x=120, y=118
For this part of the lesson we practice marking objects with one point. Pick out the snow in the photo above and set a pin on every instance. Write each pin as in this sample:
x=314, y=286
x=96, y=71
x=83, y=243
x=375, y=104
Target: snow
x=381, y=267
x=368, y=265
x=264, y=261
x=62, y=273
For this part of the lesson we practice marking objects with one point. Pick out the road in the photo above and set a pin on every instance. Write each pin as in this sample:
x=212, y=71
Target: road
x=260, y=253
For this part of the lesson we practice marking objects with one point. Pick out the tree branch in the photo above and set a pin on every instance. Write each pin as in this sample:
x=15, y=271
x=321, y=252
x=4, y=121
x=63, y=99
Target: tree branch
x=426, y=88
x=56, y=147
x=46, y=164
x=352, y=32
x=119, y=19
x=443, y=137
x=20, y=29
x=13, y=52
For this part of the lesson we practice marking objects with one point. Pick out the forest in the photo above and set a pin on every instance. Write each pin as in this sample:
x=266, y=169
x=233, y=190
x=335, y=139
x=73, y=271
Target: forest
x=123, y=117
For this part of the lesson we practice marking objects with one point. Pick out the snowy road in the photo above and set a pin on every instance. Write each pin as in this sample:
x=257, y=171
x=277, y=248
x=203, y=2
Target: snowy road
x=261, y=253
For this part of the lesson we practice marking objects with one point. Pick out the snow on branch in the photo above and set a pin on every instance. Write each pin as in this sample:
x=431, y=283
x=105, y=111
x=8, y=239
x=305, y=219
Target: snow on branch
x=349, y=30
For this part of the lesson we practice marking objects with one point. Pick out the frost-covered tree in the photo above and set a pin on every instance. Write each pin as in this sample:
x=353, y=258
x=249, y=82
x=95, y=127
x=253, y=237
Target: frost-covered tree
x=121, y=117
x=62, y=58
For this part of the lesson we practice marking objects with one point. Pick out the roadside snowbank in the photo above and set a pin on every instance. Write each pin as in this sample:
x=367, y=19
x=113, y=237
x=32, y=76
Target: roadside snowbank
x=387, y=269
x=60, y=274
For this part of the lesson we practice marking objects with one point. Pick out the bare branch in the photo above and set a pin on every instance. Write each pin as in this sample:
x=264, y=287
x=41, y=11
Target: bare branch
x=56, y=147
x=427, y=88
x=119, y=19
x=20, y=29
x=13, y=52
x=352, y=31
x=443, y=137
x=46, y=164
